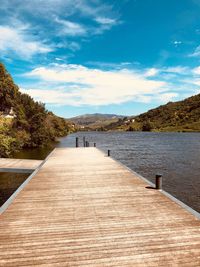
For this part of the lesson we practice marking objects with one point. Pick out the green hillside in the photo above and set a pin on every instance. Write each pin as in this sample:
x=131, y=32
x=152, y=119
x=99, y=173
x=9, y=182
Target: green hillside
x=23, y=121
x=95, y=121
x=174, y=116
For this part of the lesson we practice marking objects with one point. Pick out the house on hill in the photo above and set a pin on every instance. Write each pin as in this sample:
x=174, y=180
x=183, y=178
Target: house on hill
x=8, y=113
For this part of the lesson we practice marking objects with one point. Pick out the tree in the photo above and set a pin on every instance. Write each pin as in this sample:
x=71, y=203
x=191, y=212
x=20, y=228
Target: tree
x=147, y=126
x=32, y=125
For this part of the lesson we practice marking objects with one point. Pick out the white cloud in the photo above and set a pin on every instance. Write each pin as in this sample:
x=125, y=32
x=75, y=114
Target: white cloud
x=44, y=8
x=73, y=46
x=56, y=97
x=18, y=41
x=166, y=97
x=196, y=70
x=151, y=72
x=177, y=70
x=58, y=59
x=196, y=82
x=176, y=43
x=104, y=20
x=60, y=11
x=168, y=72
x=51, y=21
x=85, y=86
x=71, y=28
x=196, y=52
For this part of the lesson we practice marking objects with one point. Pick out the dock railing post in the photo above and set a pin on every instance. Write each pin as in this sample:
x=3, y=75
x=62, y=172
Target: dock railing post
x=87, y=144
x=158, y=181
x=108, y=152
x=84, y=141
x=76, y=141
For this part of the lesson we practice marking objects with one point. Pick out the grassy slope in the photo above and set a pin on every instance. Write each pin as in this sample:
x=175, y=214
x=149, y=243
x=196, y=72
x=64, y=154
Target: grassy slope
x=174, y=116
x=95, y=121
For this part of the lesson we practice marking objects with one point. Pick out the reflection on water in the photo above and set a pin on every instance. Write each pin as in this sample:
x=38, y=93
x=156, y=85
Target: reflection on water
x=175, y=155
x=35, y=153
x=9, y=182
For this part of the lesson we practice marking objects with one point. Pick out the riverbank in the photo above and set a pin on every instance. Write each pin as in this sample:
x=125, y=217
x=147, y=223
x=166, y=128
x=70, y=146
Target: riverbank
x=24, y=122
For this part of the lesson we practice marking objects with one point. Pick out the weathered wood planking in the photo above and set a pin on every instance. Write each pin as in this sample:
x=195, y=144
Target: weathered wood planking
x=84, y=209
x=19, y=165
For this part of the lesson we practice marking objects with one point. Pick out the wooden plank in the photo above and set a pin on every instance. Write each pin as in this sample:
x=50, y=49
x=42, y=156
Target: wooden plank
x=19, y=165
x=85, y=209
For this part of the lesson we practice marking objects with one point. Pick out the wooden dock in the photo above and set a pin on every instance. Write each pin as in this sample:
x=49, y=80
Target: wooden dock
x=83, y=208
x=19, y=165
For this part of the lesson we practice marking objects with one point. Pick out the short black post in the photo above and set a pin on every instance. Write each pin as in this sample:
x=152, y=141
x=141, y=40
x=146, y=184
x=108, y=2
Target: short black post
x=158, y=181
x=76, y=141
x=94, y=144
x=84, y=144
x=108, y=152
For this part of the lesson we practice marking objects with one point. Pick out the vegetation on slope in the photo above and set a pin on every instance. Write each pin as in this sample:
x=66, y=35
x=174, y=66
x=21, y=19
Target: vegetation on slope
x=31, y=126
x=174, y=116
x=95, y=121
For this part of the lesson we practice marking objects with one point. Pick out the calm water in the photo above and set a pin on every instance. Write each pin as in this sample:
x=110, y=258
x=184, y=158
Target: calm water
x=175, y=155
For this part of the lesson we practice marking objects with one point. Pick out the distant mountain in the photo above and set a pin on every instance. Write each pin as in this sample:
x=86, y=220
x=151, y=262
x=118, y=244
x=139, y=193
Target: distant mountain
x=174, y=116
x=95, y=121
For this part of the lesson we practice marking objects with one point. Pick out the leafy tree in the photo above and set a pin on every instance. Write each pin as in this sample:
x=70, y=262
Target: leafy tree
x=32, y=125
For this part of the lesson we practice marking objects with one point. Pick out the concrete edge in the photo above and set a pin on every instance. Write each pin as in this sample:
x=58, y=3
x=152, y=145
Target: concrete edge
x=22, y=186
x=174, y=199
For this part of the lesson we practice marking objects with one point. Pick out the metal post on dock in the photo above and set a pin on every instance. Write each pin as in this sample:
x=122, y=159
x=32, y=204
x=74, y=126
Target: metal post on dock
x=76, y=141
x=108, y=152
x=158, y=181
x=84, y=144
x=94, y=144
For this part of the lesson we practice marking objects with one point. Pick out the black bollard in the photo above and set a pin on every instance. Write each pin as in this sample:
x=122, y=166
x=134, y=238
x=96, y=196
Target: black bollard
x=94, y=144
x=108, y=152
x=84, y=144
x=158, y=181
x=87, y=144
x=76, y=141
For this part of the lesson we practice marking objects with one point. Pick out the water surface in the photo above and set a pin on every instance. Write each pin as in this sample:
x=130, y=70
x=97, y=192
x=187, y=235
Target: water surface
x=175, y=155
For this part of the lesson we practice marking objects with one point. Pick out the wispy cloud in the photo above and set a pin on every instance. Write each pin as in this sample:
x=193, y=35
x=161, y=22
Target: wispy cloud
x=71, y=28
x=196, y=52
x=165, y=71
x=19, y=42
x=108, y=83
x=78, y=85
x=196, y=70
x=104, y=20
x=151, y=72
x=177, y=69
x=60, y=22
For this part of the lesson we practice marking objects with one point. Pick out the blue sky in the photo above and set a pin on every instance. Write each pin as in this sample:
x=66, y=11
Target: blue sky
x=111, y=56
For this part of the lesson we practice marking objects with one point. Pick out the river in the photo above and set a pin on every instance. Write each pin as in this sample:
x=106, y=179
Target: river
x=175, y=155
